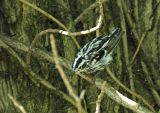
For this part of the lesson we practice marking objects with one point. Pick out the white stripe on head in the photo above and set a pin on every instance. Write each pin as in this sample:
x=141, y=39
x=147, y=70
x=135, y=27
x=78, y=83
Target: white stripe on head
x=75, y=61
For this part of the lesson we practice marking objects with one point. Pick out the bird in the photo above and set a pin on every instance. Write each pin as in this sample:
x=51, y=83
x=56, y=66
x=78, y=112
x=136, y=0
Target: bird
x=97, y=53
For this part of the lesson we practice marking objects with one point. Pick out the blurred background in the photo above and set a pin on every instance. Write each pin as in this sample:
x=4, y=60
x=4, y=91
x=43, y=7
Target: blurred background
x=135, y=62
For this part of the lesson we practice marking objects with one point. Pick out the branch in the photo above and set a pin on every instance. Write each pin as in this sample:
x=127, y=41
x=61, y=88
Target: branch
x=129, y=20
x=29, y=72
x=128, y=90
x=99, y=99
x=58, y=66
x=59, y=23
x=17, y=104
x=64, y=77
x=139, y=45
x=50, y=17
x=150, y=83
x=94, y=5
x=110, y=91
x=115, y=95
x=44, y=13
x=125, y=49
x=71, y=33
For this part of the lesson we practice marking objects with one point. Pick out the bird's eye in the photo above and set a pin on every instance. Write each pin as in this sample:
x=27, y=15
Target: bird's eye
x=99, y=55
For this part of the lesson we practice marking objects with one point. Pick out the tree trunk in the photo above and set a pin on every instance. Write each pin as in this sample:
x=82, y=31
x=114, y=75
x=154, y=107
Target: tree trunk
x=22, y=76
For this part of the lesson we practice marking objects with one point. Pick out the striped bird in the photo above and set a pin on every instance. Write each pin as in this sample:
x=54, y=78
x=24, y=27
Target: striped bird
x=95, y=55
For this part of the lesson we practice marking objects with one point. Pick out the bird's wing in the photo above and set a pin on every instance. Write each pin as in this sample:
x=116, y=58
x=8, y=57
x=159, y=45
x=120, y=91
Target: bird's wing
x=107, y=42
x=112, y=40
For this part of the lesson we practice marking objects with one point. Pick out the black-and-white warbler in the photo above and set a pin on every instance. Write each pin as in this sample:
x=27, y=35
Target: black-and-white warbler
x=97, y=53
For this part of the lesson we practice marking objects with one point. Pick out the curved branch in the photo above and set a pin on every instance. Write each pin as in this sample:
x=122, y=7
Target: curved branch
x=71, y=33
x=50, y=17
x=94, y=5
x=66, y=32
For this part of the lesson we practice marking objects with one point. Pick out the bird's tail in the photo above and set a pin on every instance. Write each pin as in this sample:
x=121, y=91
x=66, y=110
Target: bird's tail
x=114, y=39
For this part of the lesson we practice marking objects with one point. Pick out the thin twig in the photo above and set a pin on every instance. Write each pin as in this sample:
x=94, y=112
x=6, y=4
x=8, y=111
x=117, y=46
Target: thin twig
x=94, y=5
x=99, y=99
x=139, y=45
x=125, y=49
x=151, y=84
x=64, y=77
x=136, y=11
x=44, y=13
x=17, y=104
x=58, y=66
x=129, y=20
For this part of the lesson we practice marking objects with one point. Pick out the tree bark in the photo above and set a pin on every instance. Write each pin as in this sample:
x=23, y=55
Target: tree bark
x=20, y=23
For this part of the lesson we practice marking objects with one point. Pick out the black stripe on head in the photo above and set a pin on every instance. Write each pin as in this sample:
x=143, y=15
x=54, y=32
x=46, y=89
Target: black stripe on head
x=78, y=63
x=85, y=47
